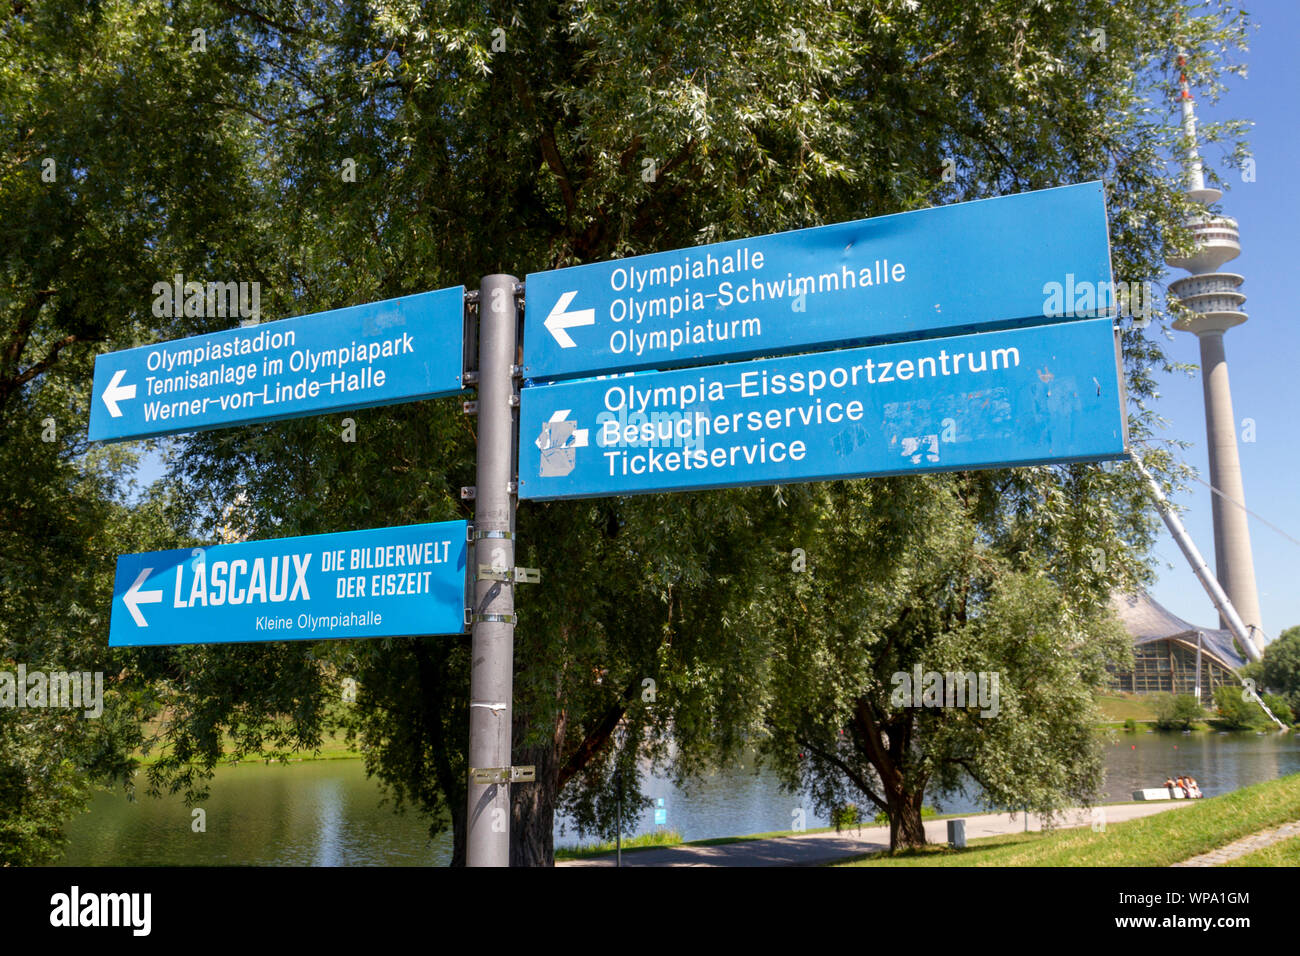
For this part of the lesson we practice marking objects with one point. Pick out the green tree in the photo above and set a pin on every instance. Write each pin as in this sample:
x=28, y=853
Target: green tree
x=1280, y=707
x=1175, y=712
x=906, y=584
x=596, y=132
x=612, y=129
x=1236, y=711
x=1010, y=588
x=113, y=174
x=1279, y=670
x=608, y=129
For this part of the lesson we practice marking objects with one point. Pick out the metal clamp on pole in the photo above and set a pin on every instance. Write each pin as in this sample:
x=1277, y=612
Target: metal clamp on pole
x=495, y=619
x=496, y=775
x=516, y=575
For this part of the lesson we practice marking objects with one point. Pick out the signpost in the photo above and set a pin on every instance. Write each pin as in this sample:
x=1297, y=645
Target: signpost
x=949, y=269
x=380, y=353
x=958, y=342
x=387, y=582
x=1015, y=397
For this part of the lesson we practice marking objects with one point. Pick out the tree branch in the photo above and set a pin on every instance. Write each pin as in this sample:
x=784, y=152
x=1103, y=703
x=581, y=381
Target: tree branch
x=844, y=768
x=550, y=149
x=597, y=737
x=22, y=331
x=50, y=358
x=254, y=15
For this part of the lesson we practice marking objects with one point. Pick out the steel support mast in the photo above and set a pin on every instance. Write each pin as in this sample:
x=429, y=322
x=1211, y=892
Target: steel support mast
x=492, y=652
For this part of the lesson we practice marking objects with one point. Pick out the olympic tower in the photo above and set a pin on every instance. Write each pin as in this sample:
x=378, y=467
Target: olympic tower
x=1214, y=298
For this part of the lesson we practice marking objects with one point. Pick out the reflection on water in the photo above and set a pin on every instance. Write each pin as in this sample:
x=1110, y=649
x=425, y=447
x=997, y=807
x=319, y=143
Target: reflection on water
x=327, y=813
x=313, y=813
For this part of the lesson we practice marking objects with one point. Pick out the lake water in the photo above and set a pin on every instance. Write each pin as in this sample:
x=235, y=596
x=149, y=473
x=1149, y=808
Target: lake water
x=326, y=813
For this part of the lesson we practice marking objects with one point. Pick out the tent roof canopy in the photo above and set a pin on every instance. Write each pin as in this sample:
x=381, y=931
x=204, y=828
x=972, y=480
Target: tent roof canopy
x=1147, y=620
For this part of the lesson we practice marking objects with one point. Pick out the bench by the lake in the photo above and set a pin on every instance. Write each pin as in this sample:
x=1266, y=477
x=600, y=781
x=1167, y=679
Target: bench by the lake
x=1160, y=793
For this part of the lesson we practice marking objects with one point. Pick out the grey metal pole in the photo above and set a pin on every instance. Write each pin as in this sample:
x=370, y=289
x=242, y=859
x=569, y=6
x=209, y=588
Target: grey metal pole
x=492, y=655
x=1208, y=581
x=1199, y=639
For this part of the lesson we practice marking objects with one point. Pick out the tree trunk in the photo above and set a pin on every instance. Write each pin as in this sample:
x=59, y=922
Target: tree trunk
x=906, y=830
x=443, y=737
x=532, y=809
x=459, y=832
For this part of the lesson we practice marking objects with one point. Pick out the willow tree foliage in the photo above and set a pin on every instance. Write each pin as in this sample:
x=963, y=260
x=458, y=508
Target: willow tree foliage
x=114, y=172
x=343, y=153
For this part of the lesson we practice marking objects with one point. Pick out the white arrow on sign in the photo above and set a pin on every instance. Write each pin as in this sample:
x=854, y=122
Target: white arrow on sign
x=116, y=392
x=134, y=597
x=559, y=320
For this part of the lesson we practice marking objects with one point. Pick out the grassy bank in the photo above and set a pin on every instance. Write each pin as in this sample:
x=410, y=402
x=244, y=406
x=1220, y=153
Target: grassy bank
x=630, y=845
x=1121, y=707
x=1282, y=853
x=333, y=747
x=1160, y=840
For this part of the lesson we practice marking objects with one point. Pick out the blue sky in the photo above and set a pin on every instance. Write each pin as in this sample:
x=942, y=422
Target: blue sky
x=1263, y=353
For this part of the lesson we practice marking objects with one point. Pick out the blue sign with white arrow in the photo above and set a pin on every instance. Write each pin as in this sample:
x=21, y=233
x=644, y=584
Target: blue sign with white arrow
x=380, y=353
x=1025, y=396
x=386, y=582
x=965, y=267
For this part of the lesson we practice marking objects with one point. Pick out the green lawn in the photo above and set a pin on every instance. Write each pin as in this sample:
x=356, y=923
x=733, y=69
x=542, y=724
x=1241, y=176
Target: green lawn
x=1282, y=853
x=1120, y=707
x=1159, y=840
x=630, y=844
x=333, y=747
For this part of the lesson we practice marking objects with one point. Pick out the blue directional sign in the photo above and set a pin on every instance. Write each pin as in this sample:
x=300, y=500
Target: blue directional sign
x=964, y=267
x=398, y=350
x=1049, y=393
x=388, y=582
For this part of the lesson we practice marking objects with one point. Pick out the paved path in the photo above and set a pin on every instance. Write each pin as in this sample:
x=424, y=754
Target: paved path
x=1256, y=841
x=812, y=849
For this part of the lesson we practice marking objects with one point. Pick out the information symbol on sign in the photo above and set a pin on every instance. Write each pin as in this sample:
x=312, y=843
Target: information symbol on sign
x=557, y=442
